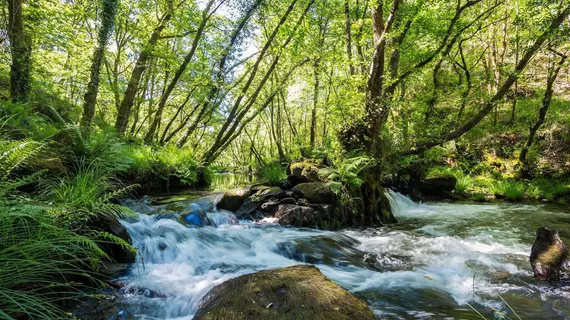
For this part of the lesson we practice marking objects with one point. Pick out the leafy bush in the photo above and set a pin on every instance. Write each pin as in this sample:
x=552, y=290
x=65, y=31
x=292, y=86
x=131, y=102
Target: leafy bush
x=347, y=171
x=86, y=196
x=463, y=184
x=161, y=163
x=273, y=173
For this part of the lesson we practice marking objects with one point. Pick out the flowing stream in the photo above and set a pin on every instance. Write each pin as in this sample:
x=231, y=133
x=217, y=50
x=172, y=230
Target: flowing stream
x=440, y=261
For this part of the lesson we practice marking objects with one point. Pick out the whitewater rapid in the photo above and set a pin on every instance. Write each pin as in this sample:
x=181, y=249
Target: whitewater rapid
x=439, y=260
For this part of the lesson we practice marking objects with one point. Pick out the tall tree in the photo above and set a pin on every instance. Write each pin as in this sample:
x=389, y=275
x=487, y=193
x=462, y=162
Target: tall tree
x=490, y=105
x=108, y=14
x=21, y=50
x=141, y=65
x=206, y=15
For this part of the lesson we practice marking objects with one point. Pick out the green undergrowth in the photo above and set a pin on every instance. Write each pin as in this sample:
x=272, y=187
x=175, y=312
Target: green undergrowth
x=489, y=186
x=49, y=251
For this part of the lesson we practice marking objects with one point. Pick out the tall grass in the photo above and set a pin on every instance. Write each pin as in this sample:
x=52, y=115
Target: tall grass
x=41, y=264
x=510, y=189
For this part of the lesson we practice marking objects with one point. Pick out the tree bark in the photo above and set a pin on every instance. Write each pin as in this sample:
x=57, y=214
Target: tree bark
x=315, y=104
x=21, y=50
x=348, y=37
x=141, y=65
x=108, y=13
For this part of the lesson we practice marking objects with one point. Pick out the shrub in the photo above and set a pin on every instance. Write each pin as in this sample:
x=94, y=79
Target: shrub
x=464, y=182
x=273, y=173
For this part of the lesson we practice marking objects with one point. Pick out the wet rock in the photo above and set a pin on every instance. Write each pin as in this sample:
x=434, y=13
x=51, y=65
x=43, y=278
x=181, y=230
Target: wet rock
x=298, y=292
x=298, y=216
x=548, y=254
x=233, y=199
x=288, y=200
x=107, y=307
x=255, y=201
x=192, y=215
x=247, y=209
x=305, y=171
x=269, y=193
x=269, y=207
x=316, y=192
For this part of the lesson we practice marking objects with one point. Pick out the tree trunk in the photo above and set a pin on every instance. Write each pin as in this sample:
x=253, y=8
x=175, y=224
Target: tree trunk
x=315, y=104
x=348, y=37
x=108, y=22
x=21, y=49
x=206, y=15
x=489, y=106
x=546, y=100
x=140, y=66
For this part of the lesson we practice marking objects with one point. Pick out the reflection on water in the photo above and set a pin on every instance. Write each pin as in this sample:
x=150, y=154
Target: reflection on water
x=225, y=181
x=439, y=259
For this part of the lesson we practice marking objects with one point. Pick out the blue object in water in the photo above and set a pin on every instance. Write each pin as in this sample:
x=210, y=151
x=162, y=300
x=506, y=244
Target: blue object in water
x=194, y=219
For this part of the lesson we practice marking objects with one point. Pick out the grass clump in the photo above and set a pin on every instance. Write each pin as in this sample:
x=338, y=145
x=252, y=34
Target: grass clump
x=510, y=190
x=273, y=173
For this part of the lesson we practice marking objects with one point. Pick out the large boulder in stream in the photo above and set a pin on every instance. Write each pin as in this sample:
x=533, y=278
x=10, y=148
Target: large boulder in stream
x=298, y=292
x=233, y=199
x=548, y=254
x=316, y=192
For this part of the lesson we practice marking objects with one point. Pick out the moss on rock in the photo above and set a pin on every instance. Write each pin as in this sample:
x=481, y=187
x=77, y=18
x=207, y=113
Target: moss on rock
x=298, y=292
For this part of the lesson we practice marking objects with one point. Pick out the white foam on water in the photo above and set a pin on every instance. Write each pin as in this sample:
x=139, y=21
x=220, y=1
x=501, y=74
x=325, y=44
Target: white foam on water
x=183, y=263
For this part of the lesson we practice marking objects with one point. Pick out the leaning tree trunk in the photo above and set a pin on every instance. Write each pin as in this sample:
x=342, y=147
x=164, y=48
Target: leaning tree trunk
x=546, y=100
x=108, y=22
x=142, y=63
x=21, y=47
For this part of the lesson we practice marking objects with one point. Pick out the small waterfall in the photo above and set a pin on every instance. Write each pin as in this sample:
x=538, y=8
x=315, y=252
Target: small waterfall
x=399, y=203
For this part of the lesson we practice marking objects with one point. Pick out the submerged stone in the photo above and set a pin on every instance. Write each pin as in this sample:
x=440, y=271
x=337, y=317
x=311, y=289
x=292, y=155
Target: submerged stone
x=298, y=292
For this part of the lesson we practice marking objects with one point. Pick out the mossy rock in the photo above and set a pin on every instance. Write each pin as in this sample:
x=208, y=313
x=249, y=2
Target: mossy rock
x=316, y=192
x=548, y=255
x=233, y=199
x=298, y=292
x=305, y=171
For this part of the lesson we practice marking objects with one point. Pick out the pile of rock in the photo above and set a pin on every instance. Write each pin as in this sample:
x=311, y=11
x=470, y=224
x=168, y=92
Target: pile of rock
x=304, y=199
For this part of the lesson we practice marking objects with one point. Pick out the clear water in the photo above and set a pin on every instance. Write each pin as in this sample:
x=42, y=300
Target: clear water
x=434, y=264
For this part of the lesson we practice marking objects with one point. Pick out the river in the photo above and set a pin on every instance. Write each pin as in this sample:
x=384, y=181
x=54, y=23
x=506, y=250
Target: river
x=440, y=261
